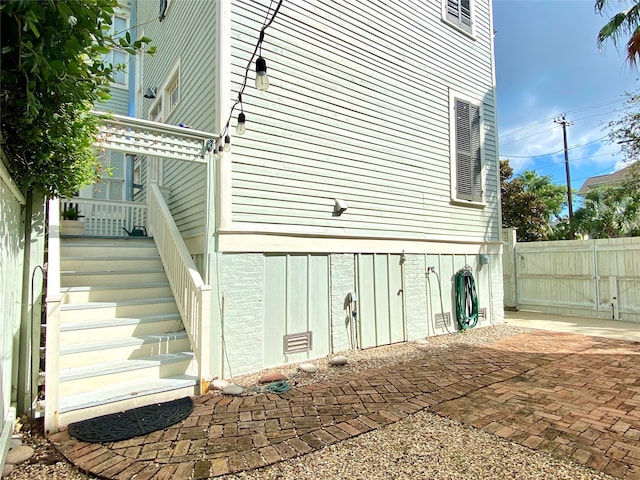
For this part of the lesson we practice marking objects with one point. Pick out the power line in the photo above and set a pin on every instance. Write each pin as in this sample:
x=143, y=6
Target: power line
x=575, y=110
x=556, y=152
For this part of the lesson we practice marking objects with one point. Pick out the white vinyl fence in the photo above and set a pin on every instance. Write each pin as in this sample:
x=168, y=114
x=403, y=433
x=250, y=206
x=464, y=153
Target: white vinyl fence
x=593, y=278
x=11, y=265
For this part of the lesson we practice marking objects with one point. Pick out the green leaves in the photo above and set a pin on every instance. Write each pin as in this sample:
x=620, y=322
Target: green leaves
x=53, y=72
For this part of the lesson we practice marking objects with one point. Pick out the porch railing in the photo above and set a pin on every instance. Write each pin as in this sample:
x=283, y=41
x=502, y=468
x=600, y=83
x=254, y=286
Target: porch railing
x=108, y=218
x=192, y=295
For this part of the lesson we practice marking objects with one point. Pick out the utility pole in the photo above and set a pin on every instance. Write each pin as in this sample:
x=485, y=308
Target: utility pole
x=565, y=123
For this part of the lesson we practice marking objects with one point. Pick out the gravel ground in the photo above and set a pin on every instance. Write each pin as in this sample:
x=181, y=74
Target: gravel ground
x=420, y=446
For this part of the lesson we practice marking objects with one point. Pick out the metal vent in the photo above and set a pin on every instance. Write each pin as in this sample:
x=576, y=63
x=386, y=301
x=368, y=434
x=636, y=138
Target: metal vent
x=482, y=312
x=443, y=319
x=297, y=342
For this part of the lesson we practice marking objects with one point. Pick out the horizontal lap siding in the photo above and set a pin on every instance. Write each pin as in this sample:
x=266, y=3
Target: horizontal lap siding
x=358, y=109
x=118, y=103
x=187, y=33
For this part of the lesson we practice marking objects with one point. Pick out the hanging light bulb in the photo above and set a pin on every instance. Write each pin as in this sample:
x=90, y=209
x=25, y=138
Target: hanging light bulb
x=262, y=81
x=227, y=143
x=240, y=126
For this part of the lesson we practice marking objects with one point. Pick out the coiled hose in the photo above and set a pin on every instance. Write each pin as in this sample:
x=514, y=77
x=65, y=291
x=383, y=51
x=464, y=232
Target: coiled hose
x=466, y=299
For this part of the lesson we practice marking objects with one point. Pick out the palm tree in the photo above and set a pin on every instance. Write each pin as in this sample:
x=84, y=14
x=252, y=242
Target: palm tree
x=626, y=22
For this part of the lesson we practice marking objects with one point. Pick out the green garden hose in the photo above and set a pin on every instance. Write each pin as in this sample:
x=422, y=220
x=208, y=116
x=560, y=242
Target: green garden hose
x=466, y=299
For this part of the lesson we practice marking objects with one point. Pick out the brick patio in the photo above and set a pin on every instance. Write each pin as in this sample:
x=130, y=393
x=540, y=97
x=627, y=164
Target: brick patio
x=569, y=395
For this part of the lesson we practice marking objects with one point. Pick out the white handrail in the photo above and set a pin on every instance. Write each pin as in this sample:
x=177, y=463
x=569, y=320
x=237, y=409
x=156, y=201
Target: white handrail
x=192, y=295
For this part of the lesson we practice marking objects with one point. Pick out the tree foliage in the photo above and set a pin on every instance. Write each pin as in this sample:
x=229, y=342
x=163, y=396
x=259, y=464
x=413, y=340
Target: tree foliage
x=53, y=72
x=611, y=211
x=614, y=210
x=522, y=208
x=624, y=24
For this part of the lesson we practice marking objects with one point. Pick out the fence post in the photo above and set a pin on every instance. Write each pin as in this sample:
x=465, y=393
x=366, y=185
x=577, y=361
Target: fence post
x=509, y=268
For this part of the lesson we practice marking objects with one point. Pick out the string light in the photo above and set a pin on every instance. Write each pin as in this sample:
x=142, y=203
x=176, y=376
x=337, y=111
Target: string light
x=241, y=127
x=262, y=80
x=262, y=84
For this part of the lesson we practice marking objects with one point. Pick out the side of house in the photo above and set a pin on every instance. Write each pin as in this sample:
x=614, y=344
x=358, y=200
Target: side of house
x=372, y=157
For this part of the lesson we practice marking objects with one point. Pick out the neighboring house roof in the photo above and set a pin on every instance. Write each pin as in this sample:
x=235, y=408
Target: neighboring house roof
x=600, y=180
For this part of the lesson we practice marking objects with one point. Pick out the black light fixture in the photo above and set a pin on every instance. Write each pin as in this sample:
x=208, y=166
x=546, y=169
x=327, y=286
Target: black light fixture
x=150, y=93
x=227, y=143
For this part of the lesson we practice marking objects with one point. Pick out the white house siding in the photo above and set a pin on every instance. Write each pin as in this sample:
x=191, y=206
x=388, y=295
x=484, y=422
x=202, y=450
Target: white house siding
x=358, y=109
x=186, y=35
x=11, y=264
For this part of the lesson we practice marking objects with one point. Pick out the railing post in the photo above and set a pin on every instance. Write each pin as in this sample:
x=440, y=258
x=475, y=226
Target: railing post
x=204, y=335
x=52, y=342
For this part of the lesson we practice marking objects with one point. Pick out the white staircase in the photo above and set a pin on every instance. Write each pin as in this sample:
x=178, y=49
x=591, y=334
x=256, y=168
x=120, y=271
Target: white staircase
x=121, y=343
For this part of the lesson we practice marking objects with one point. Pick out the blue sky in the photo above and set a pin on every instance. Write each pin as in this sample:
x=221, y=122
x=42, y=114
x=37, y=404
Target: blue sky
x=547, y=64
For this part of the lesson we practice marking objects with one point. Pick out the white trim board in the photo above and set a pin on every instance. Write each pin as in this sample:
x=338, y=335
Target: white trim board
x=236, y=242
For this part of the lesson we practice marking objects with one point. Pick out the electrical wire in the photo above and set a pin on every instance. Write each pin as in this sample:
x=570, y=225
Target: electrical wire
x=257, y=48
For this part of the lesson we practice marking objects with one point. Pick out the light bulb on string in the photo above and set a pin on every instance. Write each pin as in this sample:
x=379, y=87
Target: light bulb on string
x=241, y=125
x=262, y=80
x=227, y=143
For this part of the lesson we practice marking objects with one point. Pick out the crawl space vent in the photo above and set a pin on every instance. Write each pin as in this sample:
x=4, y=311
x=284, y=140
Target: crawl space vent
x=297, y=342
x=443, y=319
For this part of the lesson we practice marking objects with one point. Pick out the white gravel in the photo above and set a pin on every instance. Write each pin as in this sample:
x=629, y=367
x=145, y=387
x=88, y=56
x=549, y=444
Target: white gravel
x=421, y=446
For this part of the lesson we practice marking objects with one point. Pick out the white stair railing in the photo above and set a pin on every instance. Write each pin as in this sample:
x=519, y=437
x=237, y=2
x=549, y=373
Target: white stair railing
x=192, y=295
x=108, y=218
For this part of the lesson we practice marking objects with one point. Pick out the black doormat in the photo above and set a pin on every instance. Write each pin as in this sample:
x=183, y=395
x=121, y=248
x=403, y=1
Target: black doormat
x=132, y=423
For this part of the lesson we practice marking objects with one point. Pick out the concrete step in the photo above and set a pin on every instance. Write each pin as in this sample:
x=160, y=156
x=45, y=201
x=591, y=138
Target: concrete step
x=80, y=312
x=93, y=352
x=115, y=293
x=109, y=329
x=113, y=278
x=86, y=378
x=125, y=396
x=110, y=263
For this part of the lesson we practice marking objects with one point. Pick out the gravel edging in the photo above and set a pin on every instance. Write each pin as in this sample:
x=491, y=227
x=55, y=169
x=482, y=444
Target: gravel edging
x=422, y=445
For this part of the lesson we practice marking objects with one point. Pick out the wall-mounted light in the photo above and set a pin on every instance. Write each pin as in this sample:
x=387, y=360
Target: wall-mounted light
x=339, y=207
x=150, y=93
x=262, y=81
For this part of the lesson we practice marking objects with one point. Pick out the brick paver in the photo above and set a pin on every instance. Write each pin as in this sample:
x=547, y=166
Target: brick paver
x=568, y=395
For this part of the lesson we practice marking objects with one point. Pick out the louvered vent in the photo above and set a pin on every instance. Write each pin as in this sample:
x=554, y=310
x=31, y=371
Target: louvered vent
x=482, y=312
x=297, y=342
x=443, y=319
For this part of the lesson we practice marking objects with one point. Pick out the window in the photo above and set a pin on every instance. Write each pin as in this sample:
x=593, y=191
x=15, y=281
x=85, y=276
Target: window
x=466, y=148
x=155, y=114
x=111, y=186
x=119, y=26
x=458, y=12
x=173, y=92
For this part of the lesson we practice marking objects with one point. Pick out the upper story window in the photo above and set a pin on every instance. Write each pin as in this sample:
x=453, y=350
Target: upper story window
x=467, y=182
x=119, y=27
x=173, y=92
x=458, y=12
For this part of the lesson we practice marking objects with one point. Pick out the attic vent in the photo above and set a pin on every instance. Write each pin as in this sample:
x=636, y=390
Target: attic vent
x=443, y=319
x=297, y=342
x=482, y=312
